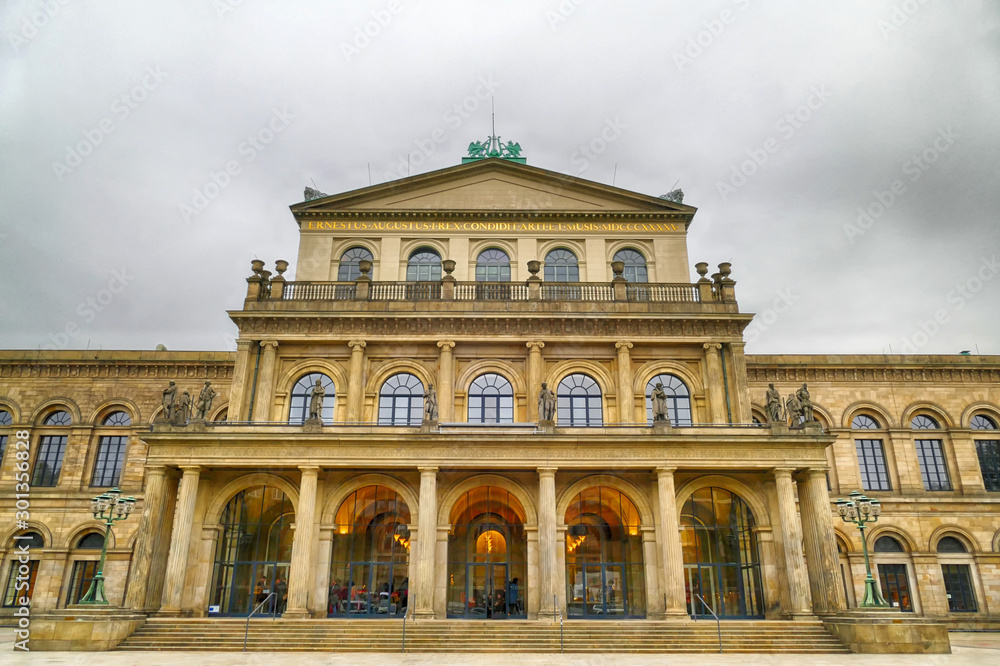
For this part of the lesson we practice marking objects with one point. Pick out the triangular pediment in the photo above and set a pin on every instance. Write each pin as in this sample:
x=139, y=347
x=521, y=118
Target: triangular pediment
x=492, y=184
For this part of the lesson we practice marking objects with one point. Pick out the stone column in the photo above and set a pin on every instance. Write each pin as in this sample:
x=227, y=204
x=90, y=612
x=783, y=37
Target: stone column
x=265, y=382
x=670, y=540
x=535, y=365
x=546, y=541
x=530, y=586
x=713, y=382
x=426, y=542
x=796, y=577
x=238, y=387
x=300, y=573
x=654, y=598
x=820, y=544
x=152, y=508
x=356, y=381
x=180, y=543
x=319, y=603
x=446, y=382
x=741, y=382
x=626, y=399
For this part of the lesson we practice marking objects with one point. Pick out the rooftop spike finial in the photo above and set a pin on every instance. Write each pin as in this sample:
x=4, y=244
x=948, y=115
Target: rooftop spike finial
x=492, y=146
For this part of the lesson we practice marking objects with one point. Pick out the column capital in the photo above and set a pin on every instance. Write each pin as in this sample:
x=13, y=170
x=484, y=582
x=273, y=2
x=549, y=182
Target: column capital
x=190, y=469
x=357, y=345
x=243, y=345
x=712, y=345
x=665, y=471
x=269, y=344
x=446, y=345
x=534, y=345
x=155, y=470
x=813, y=472
x=309, y=469
x=425, y=471
x=547, y=471
x=782, y=472
x=623, y=346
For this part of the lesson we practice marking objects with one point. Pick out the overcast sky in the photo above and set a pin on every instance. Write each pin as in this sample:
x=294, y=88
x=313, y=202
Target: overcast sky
x=783, y=122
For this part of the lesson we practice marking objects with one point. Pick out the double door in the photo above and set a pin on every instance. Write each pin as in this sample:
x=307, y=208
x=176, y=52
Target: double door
x=373, y=589
x=730, y=589
x=489, y=592
x=598, y=590
x=251, y=584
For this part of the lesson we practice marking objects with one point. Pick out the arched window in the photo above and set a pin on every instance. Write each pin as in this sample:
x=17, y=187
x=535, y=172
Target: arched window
x=635, y=265
x=93, y=541
x=5, y=418
x=561, y=266
x=979, y=422
x=350, y=261
x=957, y=573
x=864, y=422
x=678, y=399
x=84, y=570
x=401, y=400
x=891, y=565
x=34, y=542
x=579, y=402
x=424, y=265
x=930, y=455
x=950, y=544
x=491, y=399
x=888, y=544
x=298, y=407
x=51, y=449
x=118, y=418
x=921, y=422
x=493, y=265
x=988, y=451
x=60, y=418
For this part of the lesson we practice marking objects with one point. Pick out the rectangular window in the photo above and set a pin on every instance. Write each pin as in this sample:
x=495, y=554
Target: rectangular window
x=989, y=462
x=895, y=586
x=871, y=459
x=958, y=586
x=108, y=465
x=933, y=467
x=83, y=574
x=12, y=593
x=48, y=464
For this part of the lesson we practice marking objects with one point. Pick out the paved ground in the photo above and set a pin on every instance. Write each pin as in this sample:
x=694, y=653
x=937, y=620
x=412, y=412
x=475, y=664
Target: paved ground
x=969, y=649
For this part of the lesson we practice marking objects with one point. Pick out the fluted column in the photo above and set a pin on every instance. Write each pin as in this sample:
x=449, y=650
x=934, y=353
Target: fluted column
x=180, y=542
x=626, y=399
x=535, y=364
x=713, y=382
x=446, y=382
x=152, y=508
x=820, y=543
x=796, y=577
x=547, y=541
x=238, y=387
x=265, y=381
x=426, y=543
x=356, y=380
x=670, y=540
x=300, y=573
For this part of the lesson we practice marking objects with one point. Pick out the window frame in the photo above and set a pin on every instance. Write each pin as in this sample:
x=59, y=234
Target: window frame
x=44, y=445
x=500, y=399
x=556, y=267
x=423, y=271
x=414, y=402
x=350, y=270
x=300, y=400
x=11, y=594
x=104, y=444
x=674, y=411
x=865, y=467
x=639, y=270
x=485, y=268
x=566, y=411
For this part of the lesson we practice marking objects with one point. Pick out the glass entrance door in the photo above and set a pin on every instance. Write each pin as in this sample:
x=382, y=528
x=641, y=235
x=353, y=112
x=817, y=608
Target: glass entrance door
x=895, y=585
x=375, y=589
x=487, y=591
x=598, y=590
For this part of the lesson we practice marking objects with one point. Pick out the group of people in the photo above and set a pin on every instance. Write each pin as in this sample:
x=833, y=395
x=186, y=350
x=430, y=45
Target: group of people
x=277, y=602
x=177, y=409
x=495, y=603
x=347, y=600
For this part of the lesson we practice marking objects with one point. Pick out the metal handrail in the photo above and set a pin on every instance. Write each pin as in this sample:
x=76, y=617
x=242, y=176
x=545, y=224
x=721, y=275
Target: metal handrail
x=247, y=631
x=409, y=605
x=558, y=610
x=718, y=624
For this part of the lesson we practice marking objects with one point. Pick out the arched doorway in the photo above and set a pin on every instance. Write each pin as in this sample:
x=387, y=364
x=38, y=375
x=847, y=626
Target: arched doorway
x=487, y=556
x=721, y=562
x=604, y=575
x=253, y=552
x=369, y=574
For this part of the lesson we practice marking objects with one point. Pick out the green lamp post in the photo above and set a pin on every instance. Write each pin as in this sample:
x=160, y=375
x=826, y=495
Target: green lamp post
x=860, y=510
x=109, y=507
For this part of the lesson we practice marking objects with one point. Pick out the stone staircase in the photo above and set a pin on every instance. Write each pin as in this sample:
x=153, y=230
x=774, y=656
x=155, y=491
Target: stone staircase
x=266, y=635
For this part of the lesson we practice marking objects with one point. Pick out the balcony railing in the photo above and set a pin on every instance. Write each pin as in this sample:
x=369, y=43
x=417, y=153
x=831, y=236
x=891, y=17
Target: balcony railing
x=577, y=291
x=318, y=291
x=405, y=291
x=663, y=293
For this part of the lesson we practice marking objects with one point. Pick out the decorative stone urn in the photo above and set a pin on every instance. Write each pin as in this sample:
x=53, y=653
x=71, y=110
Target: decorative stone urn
x=534, y=266
x=448, y=265
x=618, y=268
x=257, y=265
x=702, y=268
x=365, y=266
x=281, y=266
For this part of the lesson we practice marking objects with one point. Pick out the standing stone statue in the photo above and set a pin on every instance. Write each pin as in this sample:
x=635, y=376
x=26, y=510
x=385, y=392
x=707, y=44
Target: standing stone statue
x=659, y=400
x=205, y=398
x=773, y=404
x=182, y=410
x=431, y=404
x=316, y=395
x=169, y=399
x=805, y=404
x=793, y=410
x=546, y=403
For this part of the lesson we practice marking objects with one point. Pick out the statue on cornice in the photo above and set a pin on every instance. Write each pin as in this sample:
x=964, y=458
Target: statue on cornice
x=431, y=404
x=546, y=403
x=205, y=398
x=773, y=404
x=805, y=404
x=793, y=409
x=316, y=395
x=169, y=398
x=182, y=410
x=659, y=400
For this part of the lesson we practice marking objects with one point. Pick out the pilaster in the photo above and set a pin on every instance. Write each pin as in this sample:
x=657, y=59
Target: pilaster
x=264, y=397
x=547, y=568
x=300, y=573
x=426, y=544
x=446, y=382
x=356, y=381
x=626, y=398
x=535, y=373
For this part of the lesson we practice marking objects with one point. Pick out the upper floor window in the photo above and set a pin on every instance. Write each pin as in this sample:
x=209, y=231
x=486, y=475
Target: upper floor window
x=401, y=400
x=424, y=265
x=933, y=468
x=678, y=399
x=988, y=452
x=350, y=263
x=982, y=422
x=60, y=418
x=5, y=418
x=109, y=461
x=302, y=393
x=579, y=402
x=871, y=460
x=888, y=544
x=491, y=400
x=493, y=265
x=864, y=422
x=922, y=422
x=561, y=266
x=48, y=462
x=635, y=265
x=950, y=544
x=118, y=418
